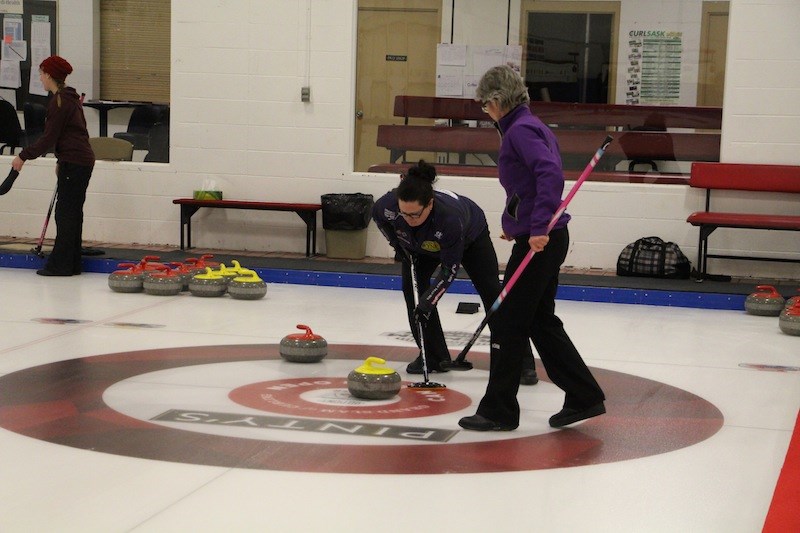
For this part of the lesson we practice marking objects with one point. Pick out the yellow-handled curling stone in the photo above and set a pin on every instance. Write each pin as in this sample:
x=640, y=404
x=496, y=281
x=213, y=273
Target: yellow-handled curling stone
x=247, y=286
x=209, y=285
x=374, y=380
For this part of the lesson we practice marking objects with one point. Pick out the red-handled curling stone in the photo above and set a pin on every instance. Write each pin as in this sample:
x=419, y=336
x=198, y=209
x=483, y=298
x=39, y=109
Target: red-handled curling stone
x=165, y=282
x=374, y=380
x=129, y=278
x=791, y=301
x=200, y=263
x=766, y=301
x=789, y=321
x=185, y=272
x=303, y=347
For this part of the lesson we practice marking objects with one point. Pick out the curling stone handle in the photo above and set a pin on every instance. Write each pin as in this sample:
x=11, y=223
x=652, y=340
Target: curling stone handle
x=371, y=361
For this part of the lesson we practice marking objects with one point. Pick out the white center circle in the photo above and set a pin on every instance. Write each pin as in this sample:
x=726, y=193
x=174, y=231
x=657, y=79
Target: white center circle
x=342, y=398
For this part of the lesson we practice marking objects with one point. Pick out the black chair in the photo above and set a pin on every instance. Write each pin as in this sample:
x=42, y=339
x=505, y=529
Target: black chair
x=35, y=116
x=159, y=144
x=10, y=129
x=142, y=120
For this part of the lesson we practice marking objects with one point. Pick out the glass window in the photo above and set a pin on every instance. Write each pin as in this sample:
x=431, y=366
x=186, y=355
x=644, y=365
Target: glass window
x=651, y=75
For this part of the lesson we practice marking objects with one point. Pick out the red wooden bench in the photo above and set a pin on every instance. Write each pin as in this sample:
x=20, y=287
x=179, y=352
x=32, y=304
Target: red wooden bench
x=486, y=171
x=646, y=134
x=741, y=177
x=308, y=212
x=560, y=114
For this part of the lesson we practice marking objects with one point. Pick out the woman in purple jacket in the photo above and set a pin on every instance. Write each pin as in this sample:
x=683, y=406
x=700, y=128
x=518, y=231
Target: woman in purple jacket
x=529, y=166
x=65, y=131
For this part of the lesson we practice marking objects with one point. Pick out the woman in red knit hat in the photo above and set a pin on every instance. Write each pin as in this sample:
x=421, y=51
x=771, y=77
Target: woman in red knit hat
x=64, y=132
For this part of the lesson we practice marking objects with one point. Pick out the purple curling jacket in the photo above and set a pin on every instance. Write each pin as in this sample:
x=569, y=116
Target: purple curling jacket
x=453, y=224
x=529, y=166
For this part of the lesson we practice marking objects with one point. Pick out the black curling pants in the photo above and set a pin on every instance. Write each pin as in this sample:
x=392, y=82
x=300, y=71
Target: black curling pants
x=528, y=311
x=73, y=180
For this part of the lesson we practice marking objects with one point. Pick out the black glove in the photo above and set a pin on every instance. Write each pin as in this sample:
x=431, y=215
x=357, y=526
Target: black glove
x=422, y=313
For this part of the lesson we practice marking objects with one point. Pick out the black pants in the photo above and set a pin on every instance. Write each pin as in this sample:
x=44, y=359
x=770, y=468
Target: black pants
x=73, y=180
x=528, y=311
x=480, y=263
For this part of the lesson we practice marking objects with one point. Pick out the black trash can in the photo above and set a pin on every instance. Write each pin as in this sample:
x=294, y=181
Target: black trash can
x=345, y=218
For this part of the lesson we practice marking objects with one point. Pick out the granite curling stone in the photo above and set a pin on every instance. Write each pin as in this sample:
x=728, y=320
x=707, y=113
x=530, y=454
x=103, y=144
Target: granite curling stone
x=303, y=347
x=247, y=286
x=227, y=273
x=165, y=282
x=789, y=320
x=766, y=301
x=185, y=272
x=129, y=279
x=373, y=380
x=208, y=285
x=791, y=301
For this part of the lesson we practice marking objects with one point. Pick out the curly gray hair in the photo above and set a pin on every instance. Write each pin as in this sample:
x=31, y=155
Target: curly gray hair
x=504, y=85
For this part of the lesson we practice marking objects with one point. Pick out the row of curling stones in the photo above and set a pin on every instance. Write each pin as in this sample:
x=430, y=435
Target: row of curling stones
x=199, y=279
x=370, y=381
x=131, y=276
x=767, y=301
x=243, y=284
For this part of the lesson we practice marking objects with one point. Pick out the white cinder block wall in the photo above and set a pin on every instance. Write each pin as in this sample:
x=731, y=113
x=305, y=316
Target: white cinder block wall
x=237, y=120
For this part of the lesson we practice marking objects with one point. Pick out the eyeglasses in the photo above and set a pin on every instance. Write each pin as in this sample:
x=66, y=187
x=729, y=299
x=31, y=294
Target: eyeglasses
x=485, y=105
x=413, y=215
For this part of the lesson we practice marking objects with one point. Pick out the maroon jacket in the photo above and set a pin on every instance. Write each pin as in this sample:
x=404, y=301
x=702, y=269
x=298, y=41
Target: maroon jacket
x=64, y=129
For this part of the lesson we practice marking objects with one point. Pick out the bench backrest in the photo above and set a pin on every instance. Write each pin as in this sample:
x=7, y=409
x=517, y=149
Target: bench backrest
x=628, y=116
x=632, y=144
x=433, y=107
x=568, y=114
x=746, y=177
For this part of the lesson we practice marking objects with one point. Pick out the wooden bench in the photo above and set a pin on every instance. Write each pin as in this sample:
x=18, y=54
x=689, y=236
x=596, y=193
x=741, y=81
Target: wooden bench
x=486, y=171
x=647, y=134
x=307, y=212
x=741, y=177
x=560, y=114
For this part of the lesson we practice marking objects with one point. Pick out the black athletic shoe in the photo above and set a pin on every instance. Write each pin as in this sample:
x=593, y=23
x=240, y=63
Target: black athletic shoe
x=481, y=423
x=528, y=377
x=569, y=416
x=45, y=272
x=415, y=366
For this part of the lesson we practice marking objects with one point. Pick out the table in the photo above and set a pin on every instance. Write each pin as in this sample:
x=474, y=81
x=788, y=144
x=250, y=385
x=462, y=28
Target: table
x=103, y=106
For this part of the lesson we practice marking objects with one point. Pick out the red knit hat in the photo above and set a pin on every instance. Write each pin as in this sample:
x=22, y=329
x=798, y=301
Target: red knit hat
x=57, y=67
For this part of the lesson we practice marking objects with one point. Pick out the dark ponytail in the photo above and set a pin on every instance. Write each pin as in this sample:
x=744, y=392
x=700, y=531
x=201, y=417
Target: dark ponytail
x=417, y=184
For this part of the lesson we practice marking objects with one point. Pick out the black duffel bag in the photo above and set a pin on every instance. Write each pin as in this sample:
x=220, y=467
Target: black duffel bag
x=652, y=257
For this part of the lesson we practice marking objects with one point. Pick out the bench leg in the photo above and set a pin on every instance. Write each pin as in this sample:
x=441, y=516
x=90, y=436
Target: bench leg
x=702, y=250
x=186, y=224
x=310, y=218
